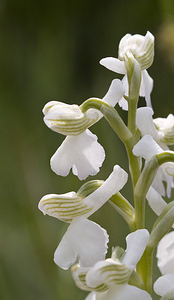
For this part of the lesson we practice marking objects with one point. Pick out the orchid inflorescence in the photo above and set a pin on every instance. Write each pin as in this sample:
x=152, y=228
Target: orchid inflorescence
x=127, y=274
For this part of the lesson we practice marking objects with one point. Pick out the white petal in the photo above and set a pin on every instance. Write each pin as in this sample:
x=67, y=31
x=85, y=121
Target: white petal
x=145, y=123
x=147, y=148
x=114, y=64
x=113, y=95
x=136, y=244
x=164, y=284
x=112, y=185
x=115, y=92
x=127, y=292
x=146, y=87
x=84, y=240
x=155, y=201
x=82, y=153
x=165, y=254
x=123, y=104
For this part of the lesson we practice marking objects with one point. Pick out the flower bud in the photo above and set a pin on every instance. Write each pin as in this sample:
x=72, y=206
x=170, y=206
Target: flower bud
x=141, y=47
x=67, y=119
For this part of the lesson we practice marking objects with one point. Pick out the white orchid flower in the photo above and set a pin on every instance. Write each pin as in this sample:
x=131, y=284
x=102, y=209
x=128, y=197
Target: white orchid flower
x=80, y=150
x=108, y=279
x=164, y=286
x=147, y=148
x=142, y=48
x=83, y=239
x=165, y=254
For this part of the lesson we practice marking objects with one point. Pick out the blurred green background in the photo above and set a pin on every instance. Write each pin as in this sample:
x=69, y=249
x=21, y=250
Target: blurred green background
x=50, y=51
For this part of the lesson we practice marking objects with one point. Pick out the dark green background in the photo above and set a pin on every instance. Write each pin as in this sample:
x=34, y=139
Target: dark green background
x=50, y=51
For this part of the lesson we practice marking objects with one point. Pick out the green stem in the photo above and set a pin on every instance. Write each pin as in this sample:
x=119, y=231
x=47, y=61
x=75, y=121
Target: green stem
x=124, y=208
x=144, y=269
x=132, y=115
x=162, y=225
x=143, y=184
x=134, y=162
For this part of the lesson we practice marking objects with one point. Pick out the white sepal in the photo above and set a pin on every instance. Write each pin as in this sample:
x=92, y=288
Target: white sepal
x=64, y=207
x=82, y=153
x=84, y=240
x=67, y=119
x=107, y=272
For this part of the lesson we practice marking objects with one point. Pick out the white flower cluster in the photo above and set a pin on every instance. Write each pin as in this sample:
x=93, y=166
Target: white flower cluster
x=127, y=274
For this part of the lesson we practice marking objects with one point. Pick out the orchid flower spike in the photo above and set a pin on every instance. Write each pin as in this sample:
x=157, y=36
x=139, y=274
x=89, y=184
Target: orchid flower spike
x=108, y=279
x=147, y=148
x=142, y=50
x=83, y=239
x=80, y=150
